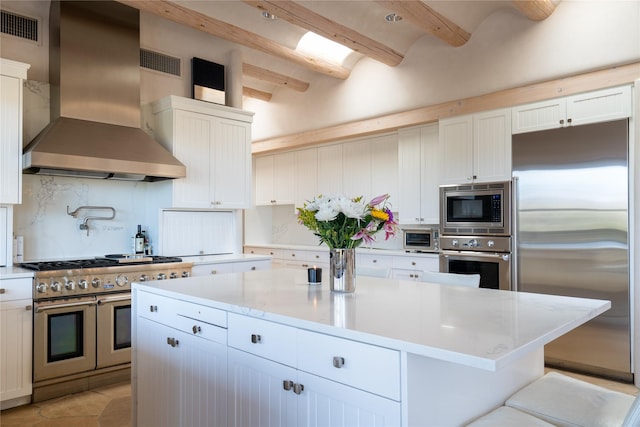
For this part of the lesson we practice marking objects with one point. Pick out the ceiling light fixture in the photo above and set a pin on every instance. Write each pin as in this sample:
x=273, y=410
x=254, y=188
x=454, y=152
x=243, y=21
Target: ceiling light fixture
x=393, y=17
x=269, y=16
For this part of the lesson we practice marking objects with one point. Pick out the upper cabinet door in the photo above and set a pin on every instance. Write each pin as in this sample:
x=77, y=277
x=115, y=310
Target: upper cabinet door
x=193, y=136
x=456, y=149
x=306, y=175
x=356, y=163
x=330, y=170
x=11, y=76
x=492, y=145
x=232, y=165
x=538, y=116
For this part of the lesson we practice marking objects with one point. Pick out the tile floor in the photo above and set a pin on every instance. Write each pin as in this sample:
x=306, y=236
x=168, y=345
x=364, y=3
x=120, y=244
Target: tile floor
x=110, y=406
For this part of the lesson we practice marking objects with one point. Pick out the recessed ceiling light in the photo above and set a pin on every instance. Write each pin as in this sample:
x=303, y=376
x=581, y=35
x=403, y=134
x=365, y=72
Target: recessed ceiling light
x=267, y=15
x=393, y=17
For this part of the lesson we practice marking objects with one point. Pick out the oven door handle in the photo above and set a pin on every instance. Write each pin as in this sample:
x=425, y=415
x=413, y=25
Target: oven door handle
x=104, y=300
x=504, y=256
x=40, y=309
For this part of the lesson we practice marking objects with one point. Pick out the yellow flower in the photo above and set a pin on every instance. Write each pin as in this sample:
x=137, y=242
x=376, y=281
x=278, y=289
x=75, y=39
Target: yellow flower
x=378, y=214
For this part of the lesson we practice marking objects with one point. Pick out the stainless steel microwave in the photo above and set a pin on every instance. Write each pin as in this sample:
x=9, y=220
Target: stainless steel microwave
x=476, y=209
x=420, y=239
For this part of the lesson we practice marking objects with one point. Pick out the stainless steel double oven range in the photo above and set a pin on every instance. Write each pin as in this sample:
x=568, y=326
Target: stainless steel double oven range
x=475, y=232
x=82, y=319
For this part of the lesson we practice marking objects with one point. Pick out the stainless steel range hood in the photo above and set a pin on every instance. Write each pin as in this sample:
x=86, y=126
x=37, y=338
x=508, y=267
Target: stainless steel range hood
x=94, y=74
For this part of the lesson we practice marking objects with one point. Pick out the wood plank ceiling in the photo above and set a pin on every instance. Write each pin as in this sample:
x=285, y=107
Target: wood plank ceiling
x=417, y=13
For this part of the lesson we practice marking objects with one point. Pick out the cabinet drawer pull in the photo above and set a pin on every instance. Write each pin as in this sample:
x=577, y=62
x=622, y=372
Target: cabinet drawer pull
x=298, y=388
x=172, y=342
x=196, y=329
x=255, y=338
x=287, y=384
x=2, y=290
x=561, y=121
x=153, y=308
x=338, y=362
x=28, y=307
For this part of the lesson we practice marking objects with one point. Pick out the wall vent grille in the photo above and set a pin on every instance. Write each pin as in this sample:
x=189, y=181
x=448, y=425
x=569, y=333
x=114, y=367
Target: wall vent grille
x=19, y=26
x=160, y=62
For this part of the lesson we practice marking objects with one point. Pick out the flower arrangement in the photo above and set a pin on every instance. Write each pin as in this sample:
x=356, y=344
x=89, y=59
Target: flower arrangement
x=344, y=223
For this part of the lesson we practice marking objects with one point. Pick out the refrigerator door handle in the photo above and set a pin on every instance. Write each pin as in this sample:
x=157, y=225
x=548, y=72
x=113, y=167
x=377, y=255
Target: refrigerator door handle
x=514, y=235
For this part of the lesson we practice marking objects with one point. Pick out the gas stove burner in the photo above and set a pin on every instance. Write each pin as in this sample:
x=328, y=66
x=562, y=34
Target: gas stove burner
x=114, y=260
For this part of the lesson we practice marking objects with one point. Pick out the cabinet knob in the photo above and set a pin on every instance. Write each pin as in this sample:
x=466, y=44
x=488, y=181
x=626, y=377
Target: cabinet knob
x=196, y=329
x=287, y=384
x=298, y=388
x=413, y=263
x=375, y=260
x=561, y=121
x=569, y=121
x=338, y=362
x=172, y=342
x=28, y=307
x=255, y=338
x=2, y=290
x=253, y=268
x=153, y=308
x=214, y=271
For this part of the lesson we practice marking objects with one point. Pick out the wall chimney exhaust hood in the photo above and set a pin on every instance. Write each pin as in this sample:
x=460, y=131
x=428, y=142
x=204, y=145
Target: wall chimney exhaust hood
x=94, y=74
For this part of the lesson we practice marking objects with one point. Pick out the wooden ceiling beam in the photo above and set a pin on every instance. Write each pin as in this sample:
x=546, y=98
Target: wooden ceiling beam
x=255, y=93
x=535, y=10
x=427, y=19
x=275, y=78
x=182, y=15
x=609, y=77
x=300, y=16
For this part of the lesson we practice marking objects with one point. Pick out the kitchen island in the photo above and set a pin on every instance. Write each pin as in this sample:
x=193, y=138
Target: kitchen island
x=236, y=348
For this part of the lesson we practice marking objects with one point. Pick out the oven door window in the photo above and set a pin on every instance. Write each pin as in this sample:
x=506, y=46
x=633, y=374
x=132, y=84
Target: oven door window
x=489, y=271
x=121, y=327
x=65, y=336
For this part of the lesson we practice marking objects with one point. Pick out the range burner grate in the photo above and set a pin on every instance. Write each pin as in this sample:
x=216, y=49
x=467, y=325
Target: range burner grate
x=94, y=263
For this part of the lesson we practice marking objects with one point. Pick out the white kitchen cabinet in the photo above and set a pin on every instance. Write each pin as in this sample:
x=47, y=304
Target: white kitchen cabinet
x=274, y=179
x=290, y=378
x=180, y=371
x=229, y=267
x=476, y=148
x=16, y=325
x=214, y=143
x=12, y=75
x=330, y=181
x=418, y=175
x=592, y=107
x=306, y=175
x=412, y=267
x=370, y=167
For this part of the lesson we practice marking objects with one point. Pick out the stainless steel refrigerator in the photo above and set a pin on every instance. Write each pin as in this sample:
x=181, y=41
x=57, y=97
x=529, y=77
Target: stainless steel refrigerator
x=571, y=236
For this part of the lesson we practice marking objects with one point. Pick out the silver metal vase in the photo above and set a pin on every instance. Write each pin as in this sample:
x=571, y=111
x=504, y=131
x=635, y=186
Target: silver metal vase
x=342, y=270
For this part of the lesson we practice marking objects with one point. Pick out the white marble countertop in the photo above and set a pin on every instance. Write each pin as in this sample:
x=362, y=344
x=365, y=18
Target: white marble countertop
x=482, y=328
x=217, y=259
x=15, y=272
x=360, y=250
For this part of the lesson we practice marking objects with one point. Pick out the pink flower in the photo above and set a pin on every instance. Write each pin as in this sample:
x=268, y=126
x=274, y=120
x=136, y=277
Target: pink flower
x=377, y=200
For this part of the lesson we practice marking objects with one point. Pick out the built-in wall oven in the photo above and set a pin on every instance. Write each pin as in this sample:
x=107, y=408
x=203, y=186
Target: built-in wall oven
x=82, y=320
x=475, y=232
x=490, y=257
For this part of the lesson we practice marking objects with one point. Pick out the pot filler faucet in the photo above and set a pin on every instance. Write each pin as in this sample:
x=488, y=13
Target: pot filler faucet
x=86, y=219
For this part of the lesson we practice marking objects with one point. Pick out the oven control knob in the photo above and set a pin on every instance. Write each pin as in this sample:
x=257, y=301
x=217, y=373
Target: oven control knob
x=143, y=278
x=42, y=287
x=82, y=284
x=69, y=285
x=185, y=274
x=454, y=242
x=473, y=243
x=173, y=275
x=55, y=286
x=121, y=280
x=162, y=276
x=96, y=282
x=491, y=243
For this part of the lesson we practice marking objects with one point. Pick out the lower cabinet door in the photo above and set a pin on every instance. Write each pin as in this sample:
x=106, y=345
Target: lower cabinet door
x=257, y=394
x=181, y=379
x=16, y=321
x=327, y=403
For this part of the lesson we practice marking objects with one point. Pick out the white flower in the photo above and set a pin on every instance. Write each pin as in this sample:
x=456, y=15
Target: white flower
x=326, y=213
x=352, y=209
